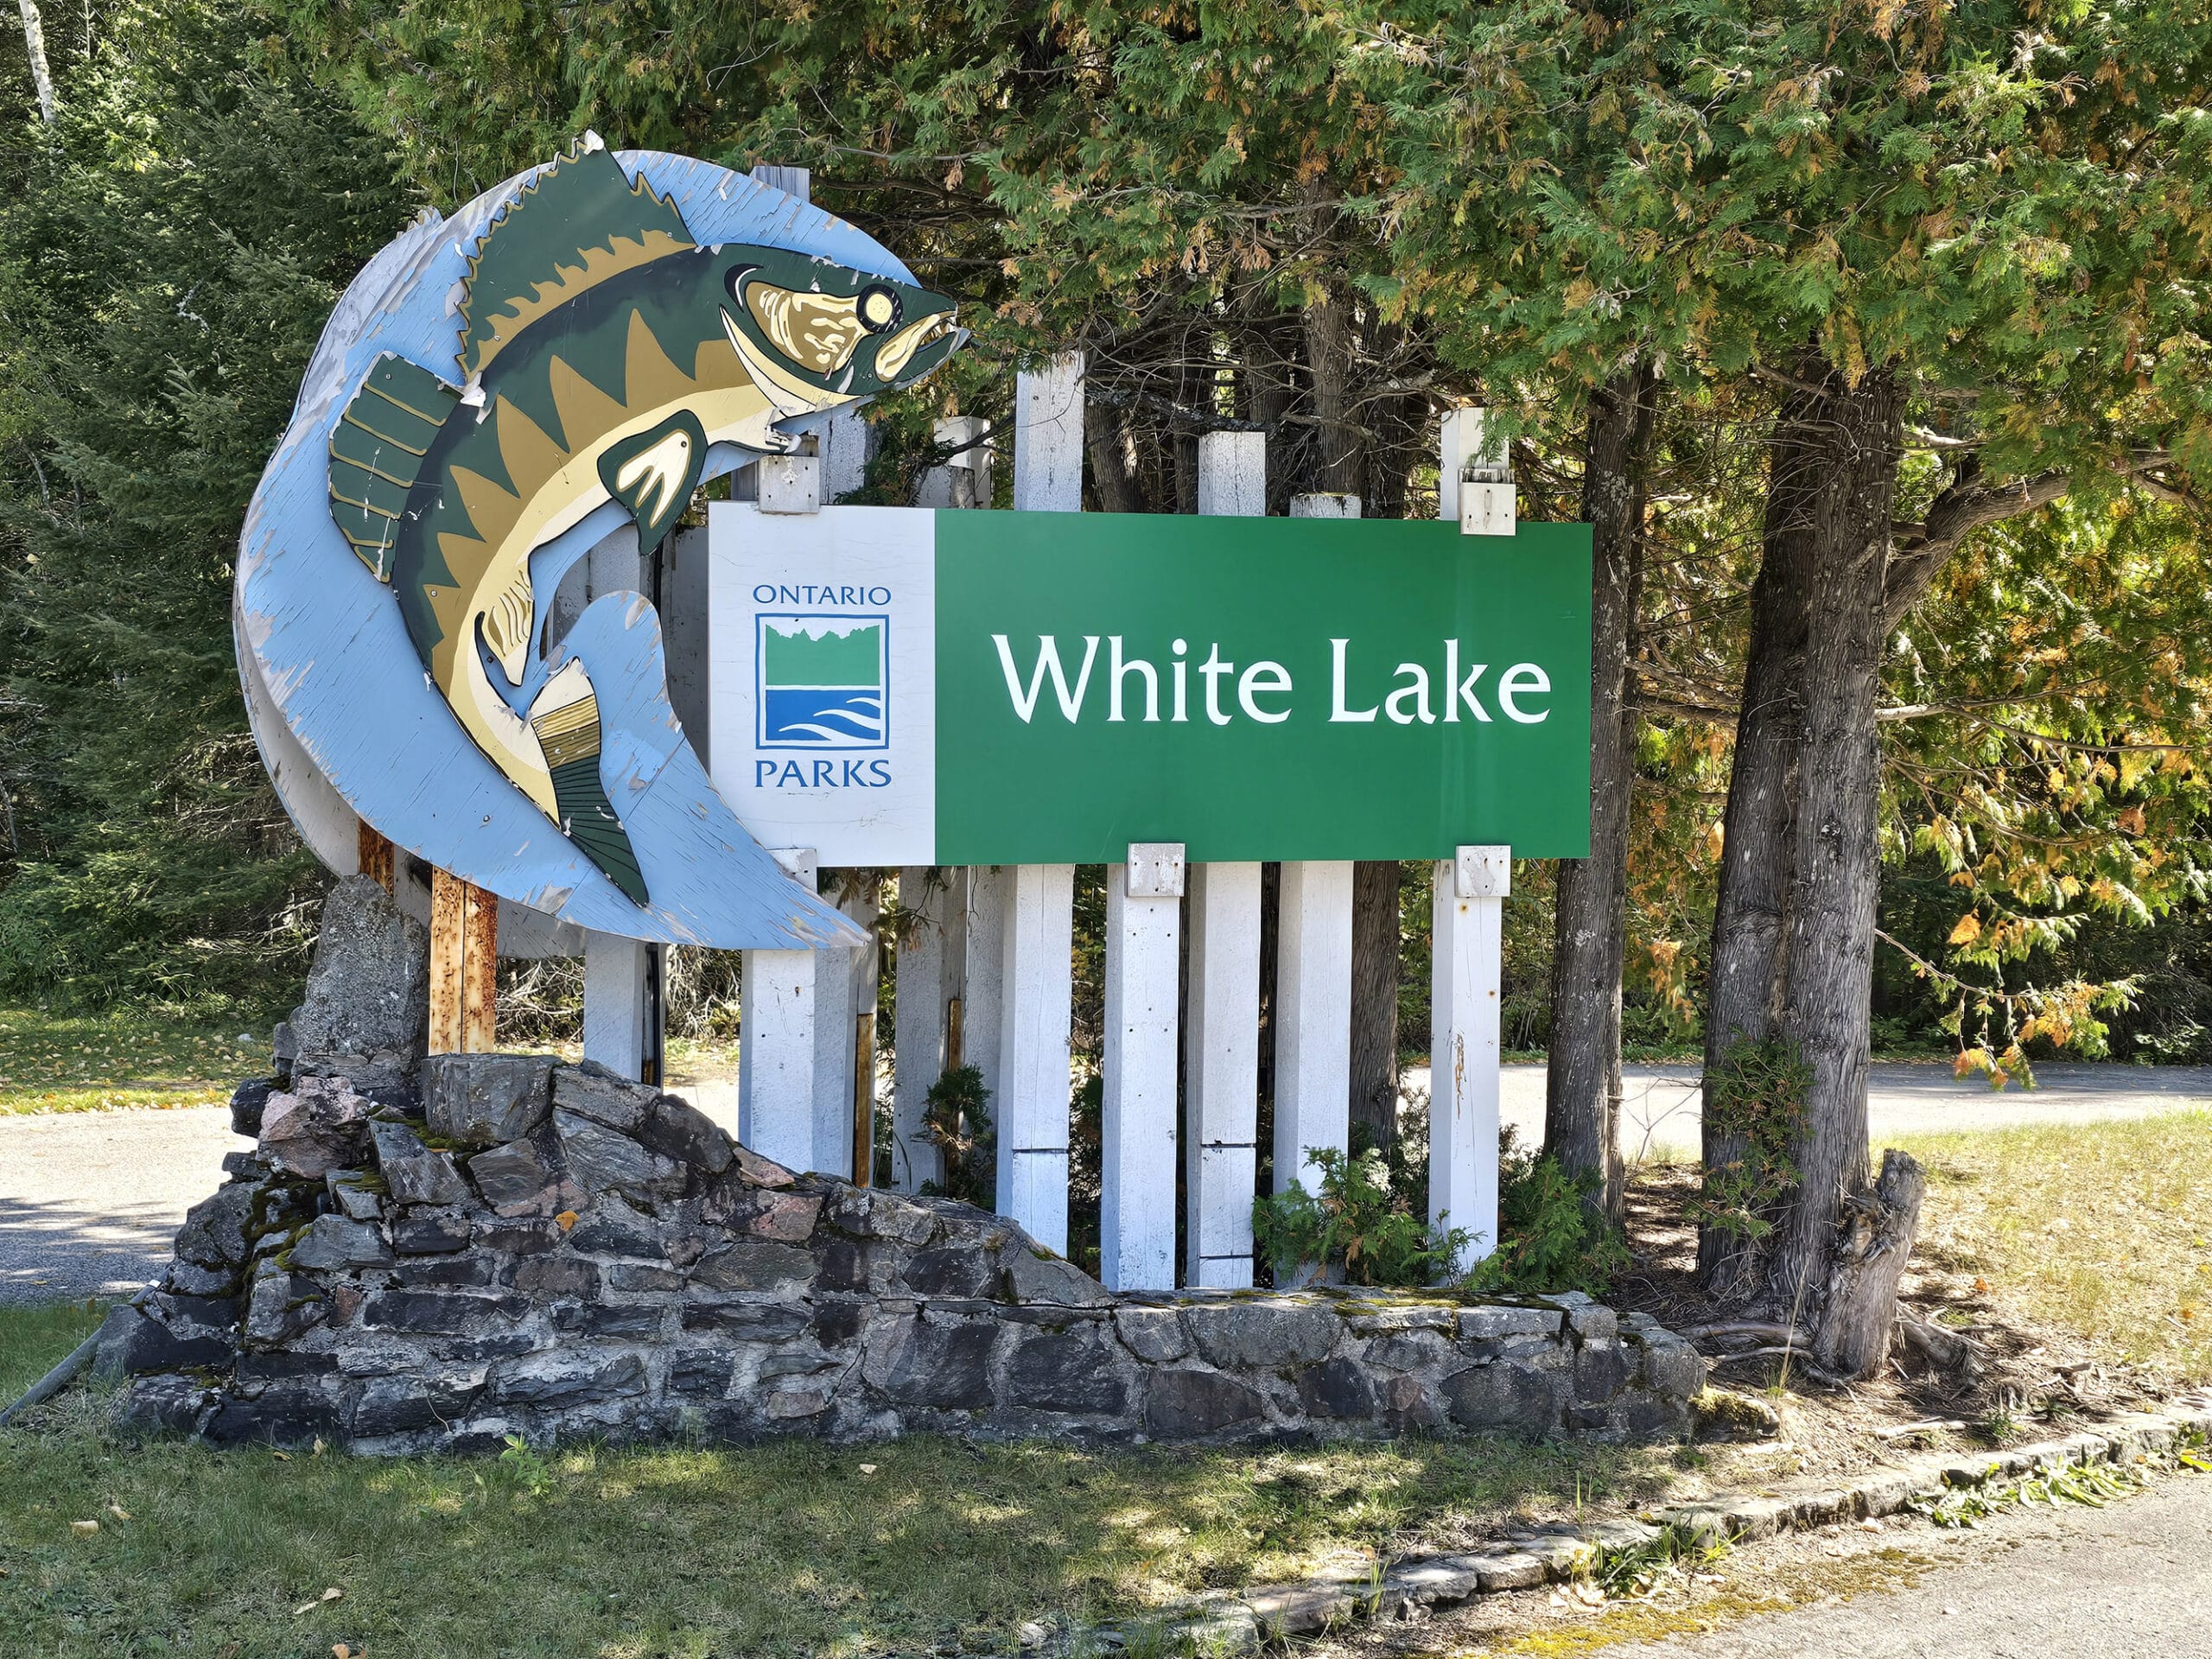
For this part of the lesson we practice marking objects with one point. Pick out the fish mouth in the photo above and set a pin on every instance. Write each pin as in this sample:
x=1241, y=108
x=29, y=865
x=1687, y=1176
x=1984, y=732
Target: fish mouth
x=896, y=353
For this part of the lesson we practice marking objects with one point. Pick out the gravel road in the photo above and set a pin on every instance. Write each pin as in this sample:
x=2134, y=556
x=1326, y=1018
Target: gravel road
x=89, y=1201
x=2130, y=1581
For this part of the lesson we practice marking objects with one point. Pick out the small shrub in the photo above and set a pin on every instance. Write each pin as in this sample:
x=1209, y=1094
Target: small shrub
x=1359, y=1224
x=1551, y=1237
x=956, y=1116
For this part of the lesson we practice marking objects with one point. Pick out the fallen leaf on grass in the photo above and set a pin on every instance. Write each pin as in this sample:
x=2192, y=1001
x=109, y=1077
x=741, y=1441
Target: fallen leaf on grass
x=341, y=1650
x=331, y=1594
x=84, y=1529
x=282, y=1457
x=1589, y=1595
x=119, y=1511
x=868, y=1468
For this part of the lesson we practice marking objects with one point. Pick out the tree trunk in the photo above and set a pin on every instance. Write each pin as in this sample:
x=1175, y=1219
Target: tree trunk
x=1374, y=1000
x=1827, y=979
x=1113, y=459
x=1861, y=1308
x=1756, y=825
x=1582, y=1091
x=35, y=49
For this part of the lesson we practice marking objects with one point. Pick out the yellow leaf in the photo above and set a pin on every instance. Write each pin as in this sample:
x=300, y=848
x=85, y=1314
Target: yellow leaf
x=1968, y=930
x=84, y=1529
x=567, y=1219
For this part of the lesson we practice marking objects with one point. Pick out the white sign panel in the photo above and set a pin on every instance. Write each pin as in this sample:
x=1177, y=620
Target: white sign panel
x=821, y=678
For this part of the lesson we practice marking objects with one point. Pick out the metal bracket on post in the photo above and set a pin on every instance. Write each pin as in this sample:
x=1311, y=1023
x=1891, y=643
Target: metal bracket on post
x=790, y=483
x=1475, y=483
x=1155, y=869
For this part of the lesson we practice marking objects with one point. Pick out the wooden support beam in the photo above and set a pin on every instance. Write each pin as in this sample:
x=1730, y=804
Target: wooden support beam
x=464, y=966
x=377, y=858
x=864, y=1100
x=1032, y=1105
x=776, y=1044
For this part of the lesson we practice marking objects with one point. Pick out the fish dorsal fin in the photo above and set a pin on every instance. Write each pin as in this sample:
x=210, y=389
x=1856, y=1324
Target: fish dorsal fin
x=576, y=224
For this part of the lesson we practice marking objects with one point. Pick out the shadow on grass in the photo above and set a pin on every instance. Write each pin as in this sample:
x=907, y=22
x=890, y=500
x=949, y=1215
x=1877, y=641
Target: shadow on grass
x=792, y=1547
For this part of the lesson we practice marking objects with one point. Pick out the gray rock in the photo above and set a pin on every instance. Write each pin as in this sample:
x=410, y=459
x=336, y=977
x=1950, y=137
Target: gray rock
x=1508, y=1569
x=564, y=1379
x=1594, y=1324
x=752, y=1321
x=951, y=1270
x=735, y=1203
x=354, y=1201
x=401, y=1405
x=429, y=1232
x=189, y=1279
x=477, y=1101
x=701, y=1373
x=1182, y=1404
x=1410, y=1350
x=1672, y=1366
x=555, y=1275
x=637, y=1276
x=1601, y=1370
x=1152, y=1334
x=679, y=1130
x=606, y=1097
x=334, y=1244
x=1337, y=1388
x=214, y=1234
x=642, y=1322
x=757, y=1265
x=1263, y=1333
x=430, y=1179
x=1034, y=1274
x=367, y=1008
x=394, y=1139
x=603, y=1160
x=1072, y=1370
x=439, y=1313
x=133, y=1343
x=947, y=1366
x=1494, y=1323
x=246, y=1102
x=282, y=1306
x=510, y=1174
x=613, y=1228
x=1506, y=1394
x=321, y=1125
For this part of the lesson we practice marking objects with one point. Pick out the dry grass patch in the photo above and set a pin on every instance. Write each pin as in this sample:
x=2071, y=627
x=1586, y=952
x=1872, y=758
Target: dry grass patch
x=2102, y=1232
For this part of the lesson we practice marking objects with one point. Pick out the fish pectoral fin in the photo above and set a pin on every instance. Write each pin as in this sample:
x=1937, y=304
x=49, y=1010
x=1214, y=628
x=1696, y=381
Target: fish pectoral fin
x=509, y=623
x=567, y=725
x=653, y=473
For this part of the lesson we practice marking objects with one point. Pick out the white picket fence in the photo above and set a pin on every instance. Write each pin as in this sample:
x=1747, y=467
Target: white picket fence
x=985, y=977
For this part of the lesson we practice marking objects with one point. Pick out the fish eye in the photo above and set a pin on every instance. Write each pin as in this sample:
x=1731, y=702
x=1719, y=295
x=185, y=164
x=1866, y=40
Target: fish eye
x=879, y=309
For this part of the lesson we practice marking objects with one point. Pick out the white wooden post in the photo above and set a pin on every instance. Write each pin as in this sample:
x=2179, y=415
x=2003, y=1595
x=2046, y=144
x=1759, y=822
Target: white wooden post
x=1221, y=1077
x=928, y=969
x=775, y=1054
x=1036, y=901
x=1222, y=1057
x=615, y=1002
x=1137, y=1212
x=1474, y=477
x=1032, y=1104
x=1468, y=913
x=985, y=891
x=844, y=992
x=1312, y=1017
x=965, y=479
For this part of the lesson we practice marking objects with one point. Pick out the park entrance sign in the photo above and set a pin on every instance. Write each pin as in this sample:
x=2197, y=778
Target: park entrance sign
x=901, y=686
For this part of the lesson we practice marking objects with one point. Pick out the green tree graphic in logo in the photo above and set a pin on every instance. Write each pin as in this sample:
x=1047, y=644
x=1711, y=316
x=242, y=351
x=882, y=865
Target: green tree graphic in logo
x=821, y=683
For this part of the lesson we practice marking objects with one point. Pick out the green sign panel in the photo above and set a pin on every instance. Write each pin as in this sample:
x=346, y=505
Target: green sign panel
x=1016, y=688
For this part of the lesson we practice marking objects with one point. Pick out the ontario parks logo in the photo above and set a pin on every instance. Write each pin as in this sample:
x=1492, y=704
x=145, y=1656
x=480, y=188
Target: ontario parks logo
x=822, y=682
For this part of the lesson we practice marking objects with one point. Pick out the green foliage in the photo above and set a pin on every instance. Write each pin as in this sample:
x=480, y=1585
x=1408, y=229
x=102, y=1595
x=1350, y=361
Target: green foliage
x=1551, y=1237
x=1359, y=1222
x=1755, y=1104
x=169, y=250
x=956, y=1116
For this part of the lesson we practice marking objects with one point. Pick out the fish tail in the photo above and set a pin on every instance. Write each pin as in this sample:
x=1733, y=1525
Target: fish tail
x=569, y=736
x=376, y=454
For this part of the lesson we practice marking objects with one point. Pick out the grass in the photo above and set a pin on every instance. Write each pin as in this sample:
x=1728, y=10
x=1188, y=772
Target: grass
x=2101, y=1230
x=90, y=1062
x=788, y=1547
